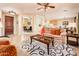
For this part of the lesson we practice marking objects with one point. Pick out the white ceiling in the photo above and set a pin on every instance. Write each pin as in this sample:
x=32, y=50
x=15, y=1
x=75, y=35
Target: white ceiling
x=32, y=7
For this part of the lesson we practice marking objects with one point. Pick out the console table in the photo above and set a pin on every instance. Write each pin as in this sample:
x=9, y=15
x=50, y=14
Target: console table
x=73, y=36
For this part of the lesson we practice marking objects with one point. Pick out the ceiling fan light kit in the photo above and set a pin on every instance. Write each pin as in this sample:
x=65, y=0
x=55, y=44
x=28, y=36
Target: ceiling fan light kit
x=45, y=7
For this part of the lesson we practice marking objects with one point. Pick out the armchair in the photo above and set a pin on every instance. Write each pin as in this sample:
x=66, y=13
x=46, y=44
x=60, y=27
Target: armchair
x=6, y=49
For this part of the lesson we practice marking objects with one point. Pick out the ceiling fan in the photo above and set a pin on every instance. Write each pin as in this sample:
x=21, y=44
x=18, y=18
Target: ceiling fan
x=45, y=6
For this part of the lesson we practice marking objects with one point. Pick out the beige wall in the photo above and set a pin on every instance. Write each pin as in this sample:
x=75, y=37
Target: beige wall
x=1, y=29
x=37, y=19
x=18, y=29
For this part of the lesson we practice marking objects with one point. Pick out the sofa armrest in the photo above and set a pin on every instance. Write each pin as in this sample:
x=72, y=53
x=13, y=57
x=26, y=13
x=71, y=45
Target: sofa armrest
x=8, y=50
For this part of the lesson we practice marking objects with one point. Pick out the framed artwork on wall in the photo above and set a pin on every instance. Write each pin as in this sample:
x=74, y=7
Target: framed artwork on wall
x=27, y=24
x=65, y=23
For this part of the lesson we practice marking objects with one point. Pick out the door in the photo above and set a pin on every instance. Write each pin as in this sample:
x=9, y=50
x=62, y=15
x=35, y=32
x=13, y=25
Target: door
x=9, y=21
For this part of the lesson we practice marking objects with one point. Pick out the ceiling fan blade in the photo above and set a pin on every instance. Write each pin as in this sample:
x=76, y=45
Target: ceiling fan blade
x=47, y=4
x=39, y=8
x=51, y=6
x=43, y=4
x=39, y=3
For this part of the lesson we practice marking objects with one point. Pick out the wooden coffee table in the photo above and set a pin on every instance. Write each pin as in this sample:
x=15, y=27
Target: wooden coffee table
x=43, y=39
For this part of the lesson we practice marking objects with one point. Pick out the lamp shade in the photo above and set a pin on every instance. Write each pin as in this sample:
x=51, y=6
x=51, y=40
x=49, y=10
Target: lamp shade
x=72, y=25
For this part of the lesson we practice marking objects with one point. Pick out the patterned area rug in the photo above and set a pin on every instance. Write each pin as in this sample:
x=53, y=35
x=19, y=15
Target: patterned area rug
x=39, y=49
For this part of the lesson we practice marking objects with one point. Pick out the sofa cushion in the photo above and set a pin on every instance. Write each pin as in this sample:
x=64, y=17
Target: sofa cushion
x=55, y=31
x=6, y=42
x=58, y=32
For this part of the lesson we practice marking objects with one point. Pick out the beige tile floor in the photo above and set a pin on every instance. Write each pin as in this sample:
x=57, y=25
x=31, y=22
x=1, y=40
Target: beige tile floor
x=17, y=39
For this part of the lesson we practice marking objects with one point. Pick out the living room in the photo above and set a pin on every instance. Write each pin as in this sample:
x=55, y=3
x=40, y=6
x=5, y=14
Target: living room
x=45, y=29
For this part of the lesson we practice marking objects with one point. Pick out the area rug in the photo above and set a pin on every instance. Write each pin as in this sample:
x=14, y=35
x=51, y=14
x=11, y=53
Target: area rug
x=39, y=49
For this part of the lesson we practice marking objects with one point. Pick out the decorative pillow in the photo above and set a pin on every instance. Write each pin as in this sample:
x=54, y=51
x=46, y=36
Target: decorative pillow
x=42, y=31
x=55, y=31
x=58, y=32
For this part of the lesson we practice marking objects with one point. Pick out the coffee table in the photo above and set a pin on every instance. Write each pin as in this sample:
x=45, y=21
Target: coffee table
x=43, y=39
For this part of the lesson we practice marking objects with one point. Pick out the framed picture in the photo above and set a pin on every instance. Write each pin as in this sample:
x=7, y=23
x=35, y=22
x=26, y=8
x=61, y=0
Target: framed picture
x=27, y=24
x=65, y=22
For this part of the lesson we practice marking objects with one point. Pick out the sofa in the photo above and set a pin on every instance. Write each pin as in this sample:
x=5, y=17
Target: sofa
x=6, y=49
x=57, y=33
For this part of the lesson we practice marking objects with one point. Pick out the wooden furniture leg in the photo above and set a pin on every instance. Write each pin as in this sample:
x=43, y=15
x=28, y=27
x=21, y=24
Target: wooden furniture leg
x=52, y=43
x=48, y=48
x=67, y=39
x=30, y=40
x=77, y=41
